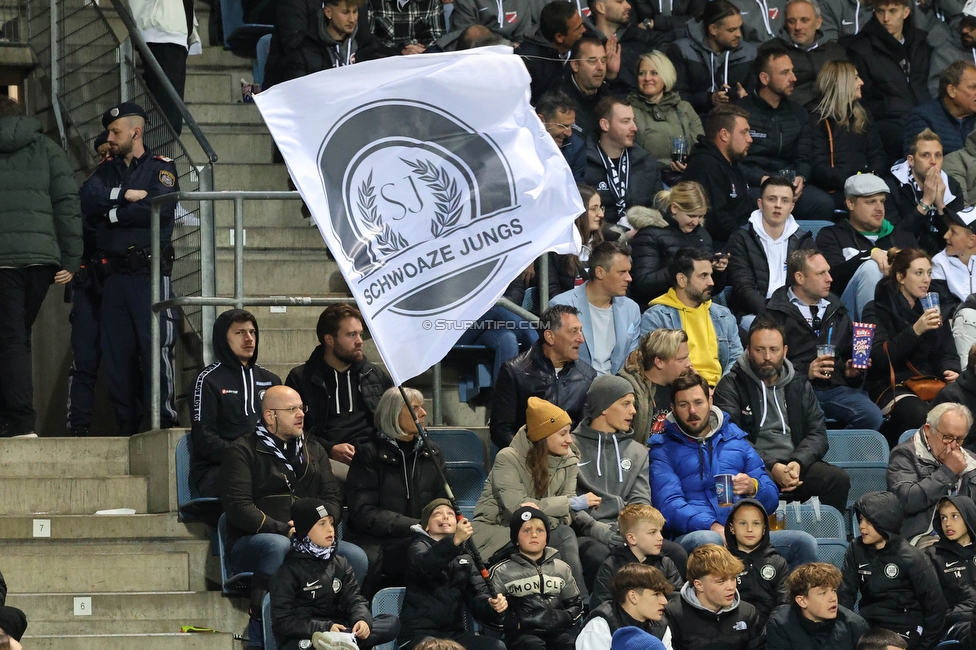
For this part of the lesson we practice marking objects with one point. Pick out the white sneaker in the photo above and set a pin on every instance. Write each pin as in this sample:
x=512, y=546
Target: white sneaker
x=334, y=641
x=26, y=435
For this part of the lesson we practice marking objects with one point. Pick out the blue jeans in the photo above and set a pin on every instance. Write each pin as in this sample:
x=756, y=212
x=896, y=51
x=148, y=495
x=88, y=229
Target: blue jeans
x=796, y=546
x=504, y=342
x=860, y=290
x=263, y=554
x=850, y=406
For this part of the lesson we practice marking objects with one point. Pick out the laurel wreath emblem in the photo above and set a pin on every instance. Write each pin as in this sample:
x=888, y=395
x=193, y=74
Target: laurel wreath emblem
x=447, y=196
x=387, y=240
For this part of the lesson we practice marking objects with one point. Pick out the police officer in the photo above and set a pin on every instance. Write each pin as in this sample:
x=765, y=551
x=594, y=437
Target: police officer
x=86, y=303
x=118, y=197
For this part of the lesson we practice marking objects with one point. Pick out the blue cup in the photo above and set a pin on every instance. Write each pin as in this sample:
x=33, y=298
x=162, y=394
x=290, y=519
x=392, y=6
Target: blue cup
x=724, y=490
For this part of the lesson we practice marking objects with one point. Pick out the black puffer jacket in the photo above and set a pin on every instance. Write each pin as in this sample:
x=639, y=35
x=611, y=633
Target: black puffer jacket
x=257, y=490
x=749, y=267
x=387, y=488
x=931, y=353
x=762, y=581
x=532, y=374
x=788, y=629
x=542, y=595
x=962, y=391
x=955, y=564
x=644, y=183
x=620, y=556
x=898, y=586
x=726, y=187
x=895, y=77
x=780, y=138
x=834, y=242
x=441, y=578
x=693, y=627
x=657, y=238
x=617, y=618
x=807, y=63
x=226, y=404
x=305, y=600
x=852, y=153
x=367, y=382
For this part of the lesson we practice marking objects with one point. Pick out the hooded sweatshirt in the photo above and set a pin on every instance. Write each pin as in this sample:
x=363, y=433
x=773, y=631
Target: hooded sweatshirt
x=897, y=583
x=776, y=249
x=773, y=436
x=702, y=340
x=954, y=562
x=612, y=466
x=226, y=403
x=761, y=582
x=693, y=627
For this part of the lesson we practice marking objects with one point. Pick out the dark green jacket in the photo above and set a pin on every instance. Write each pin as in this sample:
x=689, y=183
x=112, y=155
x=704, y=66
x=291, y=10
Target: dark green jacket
x=40, y=212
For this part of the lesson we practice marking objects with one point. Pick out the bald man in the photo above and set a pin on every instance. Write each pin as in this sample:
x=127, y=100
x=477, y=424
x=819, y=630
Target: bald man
x=261, y=475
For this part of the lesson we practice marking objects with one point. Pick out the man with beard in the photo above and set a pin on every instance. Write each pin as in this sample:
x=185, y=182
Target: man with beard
x=778, y=408
x=713, y=336
x=611, y=18
x=961, y=46
x=591, y=64
x=780, y=134
x=700, y=442
x=715, y=164
x=339, y=386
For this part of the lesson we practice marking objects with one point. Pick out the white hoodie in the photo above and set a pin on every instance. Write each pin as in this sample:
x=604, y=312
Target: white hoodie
x=776, y=250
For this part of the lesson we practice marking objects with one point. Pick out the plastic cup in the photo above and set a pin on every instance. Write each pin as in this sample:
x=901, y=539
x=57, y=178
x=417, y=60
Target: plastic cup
x=724, y=490
x=788, y=174
x=930, y=300
x=825, y=350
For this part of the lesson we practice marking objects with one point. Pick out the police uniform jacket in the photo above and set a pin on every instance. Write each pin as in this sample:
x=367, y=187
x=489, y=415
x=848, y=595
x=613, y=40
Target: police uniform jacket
x=542, y=595
x=955, y=564
x=122, y=225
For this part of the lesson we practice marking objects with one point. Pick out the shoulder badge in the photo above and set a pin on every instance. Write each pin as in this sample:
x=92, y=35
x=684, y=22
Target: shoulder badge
x=164, y=159
x=626, y=464
x=768, y=572
x=167, y=178
x=305, y=644
x=336, y=585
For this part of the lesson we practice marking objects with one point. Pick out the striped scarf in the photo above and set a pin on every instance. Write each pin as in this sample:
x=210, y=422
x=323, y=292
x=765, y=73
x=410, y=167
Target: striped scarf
x=265, y=437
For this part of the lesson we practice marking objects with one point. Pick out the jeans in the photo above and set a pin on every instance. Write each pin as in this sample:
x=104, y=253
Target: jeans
x=263, y=554
x=851, y=407
x=504, y=342
x=796, y=546
x=860, y=290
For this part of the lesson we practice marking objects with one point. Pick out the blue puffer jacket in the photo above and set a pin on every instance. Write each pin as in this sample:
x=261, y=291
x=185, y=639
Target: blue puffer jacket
x=683, y=473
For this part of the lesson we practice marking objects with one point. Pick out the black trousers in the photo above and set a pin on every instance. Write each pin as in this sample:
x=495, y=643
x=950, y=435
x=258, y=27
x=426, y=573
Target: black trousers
x=527, y=641
x=822, y=480
x=172, y=59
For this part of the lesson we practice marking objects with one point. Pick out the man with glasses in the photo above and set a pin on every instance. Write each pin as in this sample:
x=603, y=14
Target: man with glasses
x=261, y=475
x=586, y=80
x=557, y=110
x=930, y=465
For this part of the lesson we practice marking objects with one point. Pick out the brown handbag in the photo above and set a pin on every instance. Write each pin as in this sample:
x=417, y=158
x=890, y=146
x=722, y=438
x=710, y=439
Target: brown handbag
x=925, y=387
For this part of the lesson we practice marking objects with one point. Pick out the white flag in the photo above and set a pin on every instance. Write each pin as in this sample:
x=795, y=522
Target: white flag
x=433, y=183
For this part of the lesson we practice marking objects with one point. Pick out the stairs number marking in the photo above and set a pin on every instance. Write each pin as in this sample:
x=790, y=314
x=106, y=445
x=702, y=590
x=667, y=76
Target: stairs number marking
x=42, y=528
x=83, y=606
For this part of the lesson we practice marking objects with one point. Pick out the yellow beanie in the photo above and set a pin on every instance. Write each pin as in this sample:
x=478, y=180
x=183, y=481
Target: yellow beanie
x=542, y=419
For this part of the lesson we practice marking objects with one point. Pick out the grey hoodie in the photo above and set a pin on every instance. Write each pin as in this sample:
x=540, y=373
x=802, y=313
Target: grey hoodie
x=773, y=438
x=614, y=467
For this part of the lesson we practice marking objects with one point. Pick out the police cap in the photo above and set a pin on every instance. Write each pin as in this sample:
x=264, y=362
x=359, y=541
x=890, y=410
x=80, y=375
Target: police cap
x=125, y=109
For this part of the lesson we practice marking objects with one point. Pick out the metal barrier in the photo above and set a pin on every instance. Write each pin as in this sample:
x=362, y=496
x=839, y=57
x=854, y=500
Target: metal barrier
x=208, y=297
x=90, y=71
x=13, y=22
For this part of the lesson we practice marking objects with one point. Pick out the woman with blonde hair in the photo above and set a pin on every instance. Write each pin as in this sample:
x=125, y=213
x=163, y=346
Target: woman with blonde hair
x=660, y=113
x=660, y=358
x=844, y=138
x=676, y=223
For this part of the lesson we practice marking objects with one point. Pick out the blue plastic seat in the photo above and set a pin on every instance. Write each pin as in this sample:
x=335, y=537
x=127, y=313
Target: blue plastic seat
x=865, y=478
x=906, y=435
x=474, y=369
x=388, y=601
x=269, y=640
x=813, y=226
x=832, y=551
x=830, y=524
x=467, y=480
x=233, y=584
x=458, y=444
x=856, y=445
x=191, y=506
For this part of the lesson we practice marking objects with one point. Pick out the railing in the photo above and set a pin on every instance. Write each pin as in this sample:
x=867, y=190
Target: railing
x=13, y=22
x=90, y=71
x=208, y=297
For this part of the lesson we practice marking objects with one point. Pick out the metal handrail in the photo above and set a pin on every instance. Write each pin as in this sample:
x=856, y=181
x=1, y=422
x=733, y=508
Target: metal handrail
x=150, y=60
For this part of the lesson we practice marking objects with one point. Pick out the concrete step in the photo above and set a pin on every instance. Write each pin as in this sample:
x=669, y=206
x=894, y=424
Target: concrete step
x=97, y=566
x=175, y=641
x=220, y=87
x=216, y=56
x=285, y=273
x=253, y=147
x=132, y=613
x=225, y=114
x=21, y=457
x=103, y=527
x=271, y=214
x=71, y=495
x=232, y=176
x=271, y=238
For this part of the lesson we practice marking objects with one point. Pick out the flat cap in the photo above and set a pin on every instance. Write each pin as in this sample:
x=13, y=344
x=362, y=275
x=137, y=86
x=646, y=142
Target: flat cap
x=865, y=185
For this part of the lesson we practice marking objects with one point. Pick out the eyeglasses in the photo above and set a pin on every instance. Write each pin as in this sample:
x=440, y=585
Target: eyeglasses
x=959, y=440
x=291, y=409
x=560, y=126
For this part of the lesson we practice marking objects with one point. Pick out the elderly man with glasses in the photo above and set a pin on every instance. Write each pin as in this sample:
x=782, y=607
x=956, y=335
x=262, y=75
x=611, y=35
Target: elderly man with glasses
x=930, y=465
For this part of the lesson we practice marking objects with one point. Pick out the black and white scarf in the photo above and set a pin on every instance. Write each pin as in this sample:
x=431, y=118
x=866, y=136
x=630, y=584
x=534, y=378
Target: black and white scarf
x=262, y=433
x=618, y=177
x=307, y=546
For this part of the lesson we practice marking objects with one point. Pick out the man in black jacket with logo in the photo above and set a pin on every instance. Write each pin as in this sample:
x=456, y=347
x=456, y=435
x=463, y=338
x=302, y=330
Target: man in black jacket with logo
x=339, y=386
x=226, y=396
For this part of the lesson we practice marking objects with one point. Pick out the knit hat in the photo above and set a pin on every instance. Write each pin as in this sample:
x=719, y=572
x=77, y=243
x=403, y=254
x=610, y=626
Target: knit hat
x=430, y=508
x=522, y=515
x=307, y=512
x=634, y=638
x=542, y=419
x=604, y=391
x=13, y=621
x=100, y=139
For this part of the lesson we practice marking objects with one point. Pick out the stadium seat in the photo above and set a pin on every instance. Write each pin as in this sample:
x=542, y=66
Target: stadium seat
x=458, y=445
x=388, y=601
x=865, y=477
x=905, y=436
x=813, y=226
x=831, y=551
x=191, y=507
x=829, y=525
x=856, y=445
x=269, y=640
x=467, y=480
x=474, y=369
x=240, y=37
x=233, y=584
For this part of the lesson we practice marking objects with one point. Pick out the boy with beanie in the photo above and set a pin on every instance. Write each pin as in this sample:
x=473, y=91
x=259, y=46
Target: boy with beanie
x=761, y=582
x=441, y=577
x=544, y=603
x=315, y=591
x=640, y=527
x=634, y=638
x=897, y=582
x=614, y=467
x=639, y=594
x=954, y=556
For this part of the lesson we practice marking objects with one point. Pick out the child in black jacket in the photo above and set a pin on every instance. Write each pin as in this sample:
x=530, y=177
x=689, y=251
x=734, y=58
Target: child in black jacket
x=761, y=583
x=897, y=583
x=954, y=554
x=315, y=592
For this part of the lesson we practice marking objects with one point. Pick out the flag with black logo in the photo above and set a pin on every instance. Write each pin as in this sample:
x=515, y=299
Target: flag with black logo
x=434, y=184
